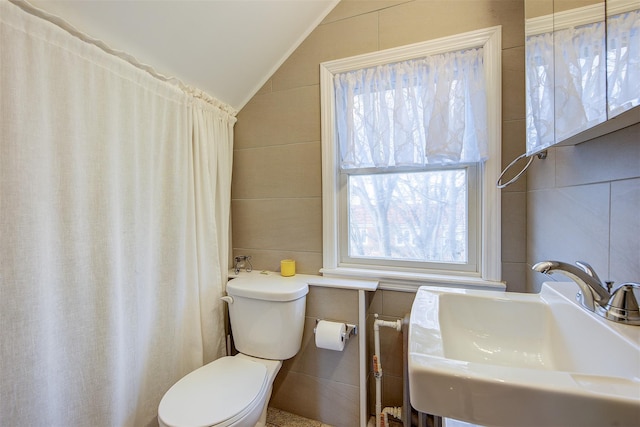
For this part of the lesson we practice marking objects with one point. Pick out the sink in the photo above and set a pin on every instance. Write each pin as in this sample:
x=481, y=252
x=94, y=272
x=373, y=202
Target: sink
x=513, y=359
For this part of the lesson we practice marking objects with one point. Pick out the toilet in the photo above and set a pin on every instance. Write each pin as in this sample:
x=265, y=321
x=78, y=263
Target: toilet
x=267, y=319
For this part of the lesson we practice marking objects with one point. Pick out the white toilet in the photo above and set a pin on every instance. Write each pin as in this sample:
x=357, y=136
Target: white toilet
x=267, y=319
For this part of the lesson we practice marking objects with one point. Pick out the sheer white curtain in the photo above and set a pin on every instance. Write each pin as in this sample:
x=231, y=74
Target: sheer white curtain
x=623, y=61
x=114, y=202
x=566, y=83
x=580, y=79
x=539, y=92
x=413, y=113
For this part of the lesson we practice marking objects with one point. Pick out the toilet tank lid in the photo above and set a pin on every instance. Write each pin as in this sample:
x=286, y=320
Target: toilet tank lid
x=268, y=287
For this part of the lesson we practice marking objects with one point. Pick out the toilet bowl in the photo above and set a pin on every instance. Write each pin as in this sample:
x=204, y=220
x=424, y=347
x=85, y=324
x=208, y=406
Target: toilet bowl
x=232, y=391
x=267, y=318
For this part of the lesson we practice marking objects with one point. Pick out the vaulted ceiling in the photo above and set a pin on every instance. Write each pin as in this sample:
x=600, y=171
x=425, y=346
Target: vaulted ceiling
x=227, y=48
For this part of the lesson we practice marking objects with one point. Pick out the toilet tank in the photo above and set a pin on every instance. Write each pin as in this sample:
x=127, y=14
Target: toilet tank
x=267, y=314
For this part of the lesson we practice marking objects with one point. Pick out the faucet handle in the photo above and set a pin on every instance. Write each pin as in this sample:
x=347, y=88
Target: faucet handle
x=623, y=305
x=586, y=267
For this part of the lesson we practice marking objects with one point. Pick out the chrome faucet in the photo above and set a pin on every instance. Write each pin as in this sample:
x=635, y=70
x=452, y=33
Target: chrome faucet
x=240, y=263
x=620, y=306
x=592, y=290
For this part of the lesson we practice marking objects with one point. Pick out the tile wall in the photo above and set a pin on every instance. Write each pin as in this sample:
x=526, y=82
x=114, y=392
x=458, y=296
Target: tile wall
x=318, y=383
x=277, y=194
x=584, y=204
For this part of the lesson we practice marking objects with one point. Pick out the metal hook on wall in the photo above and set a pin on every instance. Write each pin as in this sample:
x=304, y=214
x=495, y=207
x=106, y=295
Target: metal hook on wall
x=542, y=155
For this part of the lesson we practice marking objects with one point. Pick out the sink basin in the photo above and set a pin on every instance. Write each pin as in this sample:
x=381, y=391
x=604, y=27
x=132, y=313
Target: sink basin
x=512, y=359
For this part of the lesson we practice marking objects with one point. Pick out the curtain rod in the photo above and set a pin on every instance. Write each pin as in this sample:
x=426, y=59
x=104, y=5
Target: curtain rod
x=66, y=26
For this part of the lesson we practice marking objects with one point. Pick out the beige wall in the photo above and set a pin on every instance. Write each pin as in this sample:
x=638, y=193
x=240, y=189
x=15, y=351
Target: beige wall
x=584, y=204
x=323, y=384
x=276, y=194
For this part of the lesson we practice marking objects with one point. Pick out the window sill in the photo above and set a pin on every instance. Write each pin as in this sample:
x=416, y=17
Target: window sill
x=411, y=281
x=340, y=282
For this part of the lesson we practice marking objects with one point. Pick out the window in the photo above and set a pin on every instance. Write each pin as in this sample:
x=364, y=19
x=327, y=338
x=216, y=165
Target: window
x=411, y=149
x=408, y=217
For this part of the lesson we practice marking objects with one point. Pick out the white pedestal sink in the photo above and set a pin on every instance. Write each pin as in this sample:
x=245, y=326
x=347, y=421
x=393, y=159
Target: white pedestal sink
x=511, y=359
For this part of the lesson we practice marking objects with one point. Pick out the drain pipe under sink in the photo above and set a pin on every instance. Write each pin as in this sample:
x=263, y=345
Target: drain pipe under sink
x=381, y=414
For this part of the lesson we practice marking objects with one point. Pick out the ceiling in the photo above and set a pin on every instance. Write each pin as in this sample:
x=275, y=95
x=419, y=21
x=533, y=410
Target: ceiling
x=227, y=48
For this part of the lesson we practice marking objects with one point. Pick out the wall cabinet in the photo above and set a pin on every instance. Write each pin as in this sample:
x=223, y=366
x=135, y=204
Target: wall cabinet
x=582, y=65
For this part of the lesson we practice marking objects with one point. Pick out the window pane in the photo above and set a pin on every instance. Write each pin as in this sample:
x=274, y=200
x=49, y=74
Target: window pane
x=412, y=216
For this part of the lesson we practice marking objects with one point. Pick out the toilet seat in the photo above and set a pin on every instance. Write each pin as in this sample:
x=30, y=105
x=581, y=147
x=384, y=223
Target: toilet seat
x=219, y=393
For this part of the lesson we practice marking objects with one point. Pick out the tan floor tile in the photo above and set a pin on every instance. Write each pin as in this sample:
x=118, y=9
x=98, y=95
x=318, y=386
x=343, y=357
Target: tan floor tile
x=279, y=418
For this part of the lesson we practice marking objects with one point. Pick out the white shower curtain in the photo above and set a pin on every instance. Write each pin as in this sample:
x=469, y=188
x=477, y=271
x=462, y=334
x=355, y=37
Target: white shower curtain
x=114, y=210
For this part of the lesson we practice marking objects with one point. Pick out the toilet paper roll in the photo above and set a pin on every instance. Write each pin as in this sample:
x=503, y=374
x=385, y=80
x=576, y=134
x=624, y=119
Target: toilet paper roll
x=330, y=335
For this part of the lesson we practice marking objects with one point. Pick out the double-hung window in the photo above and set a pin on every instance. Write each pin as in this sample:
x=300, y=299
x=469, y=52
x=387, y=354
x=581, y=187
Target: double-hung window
x=411, y=149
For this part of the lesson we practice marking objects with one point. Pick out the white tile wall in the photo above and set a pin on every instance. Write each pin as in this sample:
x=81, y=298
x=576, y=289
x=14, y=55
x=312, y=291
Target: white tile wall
x=583, y=203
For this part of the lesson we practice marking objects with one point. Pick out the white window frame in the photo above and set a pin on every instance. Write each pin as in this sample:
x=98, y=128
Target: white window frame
x=489, y=271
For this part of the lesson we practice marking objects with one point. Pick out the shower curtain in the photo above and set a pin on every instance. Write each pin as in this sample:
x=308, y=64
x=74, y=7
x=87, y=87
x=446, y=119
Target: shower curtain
x=114, y=216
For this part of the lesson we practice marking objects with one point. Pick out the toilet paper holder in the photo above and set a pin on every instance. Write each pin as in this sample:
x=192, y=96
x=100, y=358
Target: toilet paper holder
x=351, y=329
